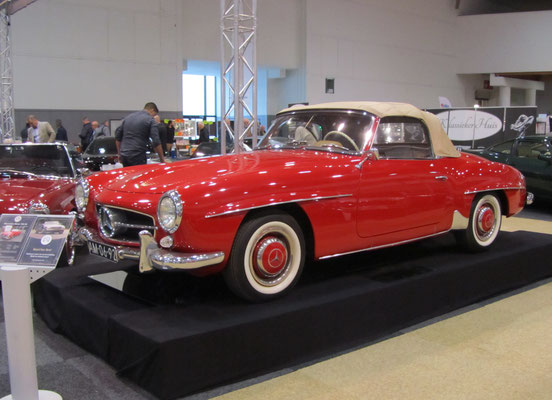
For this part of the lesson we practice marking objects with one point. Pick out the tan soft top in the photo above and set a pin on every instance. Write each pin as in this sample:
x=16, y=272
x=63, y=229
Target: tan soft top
x=442, y=146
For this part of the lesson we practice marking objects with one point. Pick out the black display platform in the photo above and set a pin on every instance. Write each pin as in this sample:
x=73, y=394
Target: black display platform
x=176, y=342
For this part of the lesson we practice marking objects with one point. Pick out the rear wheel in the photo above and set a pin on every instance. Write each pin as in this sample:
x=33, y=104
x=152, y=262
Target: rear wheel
x=267, y=257
x=484, y=223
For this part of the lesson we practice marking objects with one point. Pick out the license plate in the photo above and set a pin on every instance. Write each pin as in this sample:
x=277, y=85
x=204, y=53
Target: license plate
x=103, y=250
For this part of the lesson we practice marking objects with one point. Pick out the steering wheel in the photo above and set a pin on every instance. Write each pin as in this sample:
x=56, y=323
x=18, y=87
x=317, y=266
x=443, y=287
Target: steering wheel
x=341, y=135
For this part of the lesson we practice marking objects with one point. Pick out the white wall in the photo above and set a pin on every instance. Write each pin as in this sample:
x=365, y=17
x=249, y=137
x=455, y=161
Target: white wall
x=515, y=42
x=399, y=50
x=95, y=54
x=116, y=55
x=278, y=22
x=287, y=90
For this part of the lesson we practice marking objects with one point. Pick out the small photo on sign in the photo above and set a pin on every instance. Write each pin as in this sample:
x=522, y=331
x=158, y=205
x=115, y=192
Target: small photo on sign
x=50, y=227
x=11, y=233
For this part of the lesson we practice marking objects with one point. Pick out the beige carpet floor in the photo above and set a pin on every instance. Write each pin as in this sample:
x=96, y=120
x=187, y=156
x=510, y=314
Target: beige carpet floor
x=501, y=351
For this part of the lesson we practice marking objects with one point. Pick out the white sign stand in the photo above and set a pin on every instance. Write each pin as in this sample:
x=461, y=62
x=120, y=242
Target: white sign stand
x=16, y=294
x=33, y=250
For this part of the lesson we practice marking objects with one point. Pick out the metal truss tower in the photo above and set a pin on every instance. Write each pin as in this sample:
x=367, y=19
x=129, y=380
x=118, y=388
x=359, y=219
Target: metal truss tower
x=239, y=72
x=6, y=80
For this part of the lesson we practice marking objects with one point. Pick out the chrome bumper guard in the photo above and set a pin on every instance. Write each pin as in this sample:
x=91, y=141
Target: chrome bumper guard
x=150, y=256
x=529, y=198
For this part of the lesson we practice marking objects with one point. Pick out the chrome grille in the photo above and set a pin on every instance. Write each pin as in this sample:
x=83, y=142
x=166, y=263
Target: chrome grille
x=122, y=224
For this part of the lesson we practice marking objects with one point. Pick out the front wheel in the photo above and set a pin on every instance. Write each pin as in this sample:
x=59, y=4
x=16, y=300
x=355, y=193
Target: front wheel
x=484, y=223
x=67, y=257
x=267, y=257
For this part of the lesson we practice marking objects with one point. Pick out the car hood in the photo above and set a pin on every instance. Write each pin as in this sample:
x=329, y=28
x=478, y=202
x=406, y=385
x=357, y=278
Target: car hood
x=20, y=191
x=249, y=168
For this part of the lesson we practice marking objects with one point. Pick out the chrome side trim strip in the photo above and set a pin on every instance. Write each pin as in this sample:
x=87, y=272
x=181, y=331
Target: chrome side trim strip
x=383, y=246
x=494, y=189
x=279, y=203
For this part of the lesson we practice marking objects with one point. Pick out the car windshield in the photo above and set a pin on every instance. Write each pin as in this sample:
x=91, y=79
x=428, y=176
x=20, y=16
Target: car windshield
x=101, y=146
x=44, y=160
x=342, y=131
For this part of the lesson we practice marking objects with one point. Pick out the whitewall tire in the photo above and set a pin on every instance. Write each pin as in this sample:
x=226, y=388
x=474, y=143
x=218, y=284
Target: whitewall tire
x=484, y=223
x=267, y=257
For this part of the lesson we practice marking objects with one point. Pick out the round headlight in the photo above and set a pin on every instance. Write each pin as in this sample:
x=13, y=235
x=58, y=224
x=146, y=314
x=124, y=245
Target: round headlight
x=169, y=211
x=81, y=195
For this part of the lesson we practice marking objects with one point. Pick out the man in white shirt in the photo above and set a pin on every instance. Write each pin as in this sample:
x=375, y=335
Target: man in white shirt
x=40, y=132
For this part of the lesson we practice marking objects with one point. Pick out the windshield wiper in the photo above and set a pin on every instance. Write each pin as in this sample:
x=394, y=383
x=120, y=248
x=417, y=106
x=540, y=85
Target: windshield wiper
x=16, y=172
x=294, y=144
x=335, y=146
x=332, y=148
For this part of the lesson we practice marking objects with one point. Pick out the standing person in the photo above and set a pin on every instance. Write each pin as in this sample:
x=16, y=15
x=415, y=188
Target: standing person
x=61, y=132
x=105, y=128
x=25, y=132
x=229, y=134
x=133, y=135
x=86, y=133
x=162, y=133
x=98, y=130
x=170, y=136
x=40, y=132
x=203, y=132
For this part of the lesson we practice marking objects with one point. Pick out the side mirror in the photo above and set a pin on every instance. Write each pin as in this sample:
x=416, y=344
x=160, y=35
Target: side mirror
x=84, y=172
x=373, y=154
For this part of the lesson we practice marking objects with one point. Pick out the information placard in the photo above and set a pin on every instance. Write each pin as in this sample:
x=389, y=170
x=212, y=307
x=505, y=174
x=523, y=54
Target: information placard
x=32, y=239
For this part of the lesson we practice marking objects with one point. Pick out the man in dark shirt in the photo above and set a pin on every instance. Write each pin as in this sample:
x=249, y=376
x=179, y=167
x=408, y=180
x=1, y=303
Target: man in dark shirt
x=170, y=135
x=25, y=132
x=162, y=128
x=61, y=132
x=203, y=133
x=86, y=133
x=133, y=135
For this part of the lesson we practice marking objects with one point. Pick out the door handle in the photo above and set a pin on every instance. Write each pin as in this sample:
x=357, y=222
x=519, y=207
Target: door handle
x=441, y=178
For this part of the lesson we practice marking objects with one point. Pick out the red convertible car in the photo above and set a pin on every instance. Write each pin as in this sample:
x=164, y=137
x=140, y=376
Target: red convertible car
x=8, y=233
x=38, y=179
x=326, y=180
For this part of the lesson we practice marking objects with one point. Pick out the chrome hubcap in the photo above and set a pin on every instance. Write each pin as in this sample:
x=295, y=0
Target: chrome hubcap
x=486, y=221
x=270, y=257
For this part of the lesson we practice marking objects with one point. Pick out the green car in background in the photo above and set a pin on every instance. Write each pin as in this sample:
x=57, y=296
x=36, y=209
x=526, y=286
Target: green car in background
x=532, y=156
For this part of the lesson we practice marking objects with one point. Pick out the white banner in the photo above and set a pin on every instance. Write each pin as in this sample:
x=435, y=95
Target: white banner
x=467, y=125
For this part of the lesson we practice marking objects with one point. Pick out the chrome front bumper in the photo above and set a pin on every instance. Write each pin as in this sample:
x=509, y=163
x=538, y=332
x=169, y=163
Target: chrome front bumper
x=150, y=256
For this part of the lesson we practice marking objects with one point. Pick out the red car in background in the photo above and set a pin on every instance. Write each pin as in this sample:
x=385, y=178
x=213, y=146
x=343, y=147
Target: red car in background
x=326, y=180
x=38, y=179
